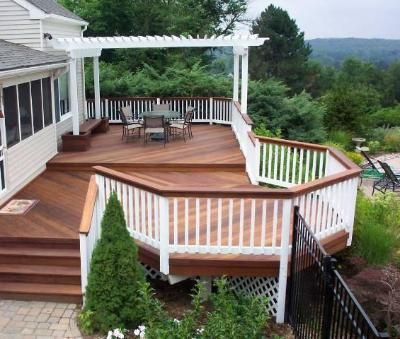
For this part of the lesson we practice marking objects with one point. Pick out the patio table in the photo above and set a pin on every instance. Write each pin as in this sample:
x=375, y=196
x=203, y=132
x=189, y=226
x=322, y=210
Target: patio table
x=168, y=115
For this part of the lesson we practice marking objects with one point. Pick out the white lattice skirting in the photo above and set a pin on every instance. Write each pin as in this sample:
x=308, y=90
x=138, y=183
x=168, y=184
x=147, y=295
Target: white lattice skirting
x=152, y=273
x=267, y=287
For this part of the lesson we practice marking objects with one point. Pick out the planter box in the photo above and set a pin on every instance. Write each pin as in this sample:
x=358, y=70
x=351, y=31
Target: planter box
x=76, y=143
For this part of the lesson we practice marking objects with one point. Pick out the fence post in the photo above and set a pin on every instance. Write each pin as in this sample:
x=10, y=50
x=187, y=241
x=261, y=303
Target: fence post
x=329, y=266
x=164, y=235
x=292, y=263
x=211, y=110
x=284, y=258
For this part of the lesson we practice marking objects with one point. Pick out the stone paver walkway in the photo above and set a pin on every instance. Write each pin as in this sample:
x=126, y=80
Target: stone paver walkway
x=38, y=320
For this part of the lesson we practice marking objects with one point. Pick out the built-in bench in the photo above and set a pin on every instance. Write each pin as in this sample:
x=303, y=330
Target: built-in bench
x=81, y=142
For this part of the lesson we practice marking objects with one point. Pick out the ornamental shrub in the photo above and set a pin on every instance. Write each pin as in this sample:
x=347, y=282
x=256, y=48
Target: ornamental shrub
x=376, y=228
x=115, y=277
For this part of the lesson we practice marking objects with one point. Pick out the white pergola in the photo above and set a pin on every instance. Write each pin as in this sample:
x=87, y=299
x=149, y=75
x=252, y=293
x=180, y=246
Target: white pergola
x=79, y=48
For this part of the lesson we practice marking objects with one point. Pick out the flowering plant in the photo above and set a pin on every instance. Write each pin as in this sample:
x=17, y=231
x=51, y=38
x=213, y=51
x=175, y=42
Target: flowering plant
x=116, y=334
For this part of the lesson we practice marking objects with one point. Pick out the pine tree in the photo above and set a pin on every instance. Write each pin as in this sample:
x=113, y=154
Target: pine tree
x=285, y=55
x=112, y=293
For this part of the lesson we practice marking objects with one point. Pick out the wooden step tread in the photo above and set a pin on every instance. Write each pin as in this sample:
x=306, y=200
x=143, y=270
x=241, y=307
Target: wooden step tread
x=40, y=289
x=40, y=252
x=40, y=270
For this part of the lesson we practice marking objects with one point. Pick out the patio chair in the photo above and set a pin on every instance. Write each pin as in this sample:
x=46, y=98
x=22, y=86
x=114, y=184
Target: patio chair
x=183, y=128
x=129, y=126
x=369, y=169
x=389, y=181
x=155, y=125
x=161, y=107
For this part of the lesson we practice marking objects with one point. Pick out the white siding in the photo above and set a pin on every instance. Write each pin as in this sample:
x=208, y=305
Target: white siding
x=64, y=30
x=16, y=25
x=29, y=157
x=63, y=127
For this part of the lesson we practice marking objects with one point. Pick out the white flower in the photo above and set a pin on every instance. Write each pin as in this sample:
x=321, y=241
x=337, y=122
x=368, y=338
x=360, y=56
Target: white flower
x=142, y=328
x=109, y=335
x=141, y=335
x=118, y=333
x=200, y=330
x=136, y=332
x=177, y=321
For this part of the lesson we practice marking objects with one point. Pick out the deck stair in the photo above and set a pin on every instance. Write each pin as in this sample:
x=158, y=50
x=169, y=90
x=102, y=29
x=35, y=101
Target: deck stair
x=40, y=269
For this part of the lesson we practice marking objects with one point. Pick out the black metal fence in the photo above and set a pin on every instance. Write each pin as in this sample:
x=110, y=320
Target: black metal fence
x=320, y=304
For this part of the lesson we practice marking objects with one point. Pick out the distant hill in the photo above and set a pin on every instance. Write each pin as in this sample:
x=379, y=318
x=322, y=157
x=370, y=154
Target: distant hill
x=332, y=52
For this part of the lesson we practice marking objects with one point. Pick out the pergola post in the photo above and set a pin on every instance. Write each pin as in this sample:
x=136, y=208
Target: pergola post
x=73, y=86
x=236, y=60
x=96, y=79
x=245, y=80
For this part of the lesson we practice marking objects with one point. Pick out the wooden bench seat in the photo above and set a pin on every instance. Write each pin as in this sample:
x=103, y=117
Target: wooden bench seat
x=81, y=142
x=89, y=126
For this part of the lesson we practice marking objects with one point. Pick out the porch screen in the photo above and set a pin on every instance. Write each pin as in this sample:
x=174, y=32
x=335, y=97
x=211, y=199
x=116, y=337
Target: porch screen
x=11, y=115
x=27, y=109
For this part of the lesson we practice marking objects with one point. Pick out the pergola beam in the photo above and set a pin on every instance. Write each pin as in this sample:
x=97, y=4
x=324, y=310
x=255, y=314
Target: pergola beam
x=88, y=44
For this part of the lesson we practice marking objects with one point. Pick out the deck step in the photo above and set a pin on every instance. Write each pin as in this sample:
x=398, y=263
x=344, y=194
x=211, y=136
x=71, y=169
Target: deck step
x=40, y=269
x=51, y=243
x=42, y=292
x=40, y=274
x=39, y=256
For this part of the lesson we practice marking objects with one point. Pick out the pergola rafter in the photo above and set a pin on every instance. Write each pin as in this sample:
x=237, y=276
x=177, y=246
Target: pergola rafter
x=79, y=48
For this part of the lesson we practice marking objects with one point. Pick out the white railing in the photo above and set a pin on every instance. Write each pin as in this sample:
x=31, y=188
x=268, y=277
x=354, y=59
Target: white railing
x=286, y=163
x=210, y=110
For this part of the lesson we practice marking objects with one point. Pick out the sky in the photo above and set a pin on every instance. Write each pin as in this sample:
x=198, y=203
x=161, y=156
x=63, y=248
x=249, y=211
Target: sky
x=339, y=18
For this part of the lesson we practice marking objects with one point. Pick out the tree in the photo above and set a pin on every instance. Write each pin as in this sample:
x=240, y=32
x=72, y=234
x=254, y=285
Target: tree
x=115, y=277
x=285, y=55
x=392, y=84
x=349, y=107
x=296, y=118
x=159, y=17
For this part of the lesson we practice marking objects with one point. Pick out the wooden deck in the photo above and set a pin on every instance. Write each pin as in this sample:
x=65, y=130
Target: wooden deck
x=57, y=215
x=213, y=147
x=211, y=159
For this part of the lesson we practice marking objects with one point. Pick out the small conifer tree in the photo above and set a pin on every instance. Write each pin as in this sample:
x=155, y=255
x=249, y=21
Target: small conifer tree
x=115, y=277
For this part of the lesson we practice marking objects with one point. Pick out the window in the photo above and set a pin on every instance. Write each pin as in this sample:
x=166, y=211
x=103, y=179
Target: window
x=27, y=109
x=11, y=115
x=47, y=111
x=61, y=96
x=36, y=90
x=25, y=116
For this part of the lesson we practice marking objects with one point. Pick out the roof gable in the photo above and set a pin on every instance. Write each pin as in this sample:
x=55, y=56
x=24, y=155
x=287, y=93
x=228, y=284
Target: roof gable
x=16, y=56
x=51, y=7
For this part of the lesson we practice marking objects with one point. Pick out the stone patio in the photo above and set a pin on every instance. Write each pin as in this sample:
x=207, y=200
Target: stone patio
x=38, y=320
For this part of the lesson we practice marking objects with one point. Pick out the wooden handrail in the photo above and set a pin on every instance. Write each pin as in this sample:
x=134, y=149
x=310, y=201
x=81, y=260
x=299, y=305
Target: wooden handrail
x=245, y=117
x=256, y=192
x=88, y=207
x=293, y=143
x=345, y=161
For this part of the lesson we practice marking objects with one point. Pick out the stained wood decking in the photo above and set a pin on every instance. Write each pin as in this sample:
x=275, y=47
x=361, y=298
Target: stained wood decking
x=213, y=147
x=212, y=158
x=61, y=197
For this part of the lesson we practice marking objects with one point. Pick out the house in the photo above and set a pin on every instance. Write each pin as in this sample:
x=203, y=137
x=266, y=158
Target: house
x=34, y=24
x=199, y=208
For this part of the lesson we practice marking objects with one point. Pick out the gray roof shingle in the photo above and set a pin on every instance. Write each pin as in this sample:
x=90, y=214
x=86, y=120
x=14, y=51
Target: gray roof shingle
x=15, y=56
x=52, y=7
